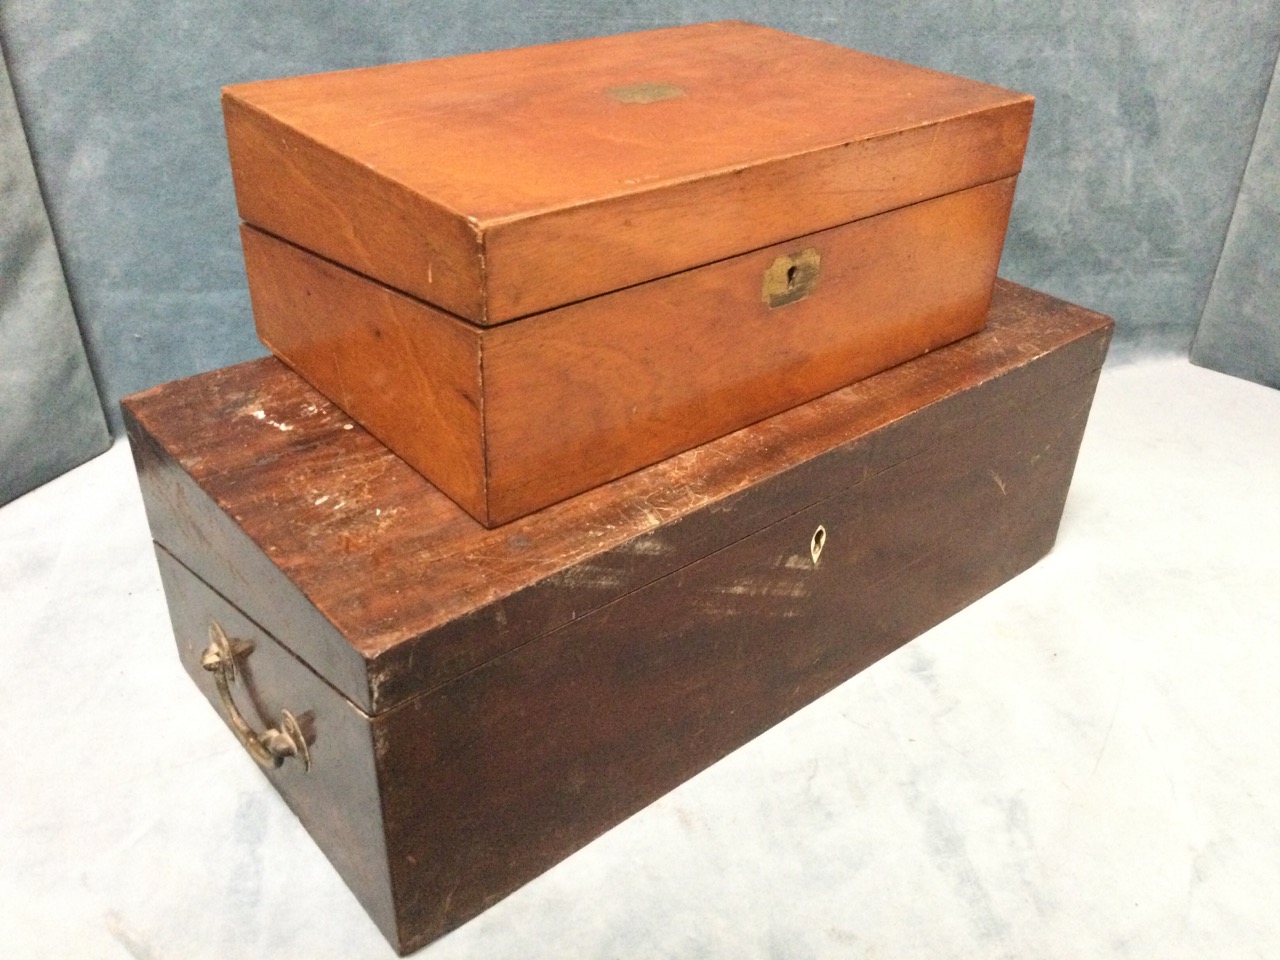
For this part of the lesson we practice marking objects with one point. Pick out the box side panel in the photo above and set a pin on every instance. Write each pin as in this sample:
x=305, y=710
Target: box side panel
x=498, y=775
x=538, y=262
x=291, y=185
x=407, y=372
x=581, y=395
x=337, y=798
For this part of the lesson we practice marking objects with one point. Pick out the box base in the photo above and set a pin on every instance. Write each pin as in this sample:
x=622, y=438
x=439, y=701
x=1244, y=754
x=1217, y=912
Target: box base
x=443, y=803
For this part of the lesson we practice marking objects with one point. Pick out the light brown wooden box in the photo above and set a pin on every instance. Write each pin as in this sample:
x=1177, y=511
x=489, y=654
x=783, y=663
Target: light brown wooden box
x=532, y=271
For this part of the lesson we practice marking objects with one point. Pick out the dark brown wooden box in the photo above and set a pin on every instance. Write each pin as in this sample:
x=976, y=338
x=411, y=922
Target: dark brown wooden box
x=532, y=271
x=476, y=704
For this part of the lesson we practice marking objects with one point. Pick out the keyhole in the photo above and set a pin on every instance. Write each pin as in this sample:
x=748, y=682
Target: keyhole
x=790, y=277
x=817, y=543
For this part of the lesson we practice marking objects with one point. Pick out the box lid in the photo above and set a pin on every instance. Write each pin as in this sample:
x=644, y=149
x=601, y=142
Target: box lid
x=386, y=589
x=501, y=184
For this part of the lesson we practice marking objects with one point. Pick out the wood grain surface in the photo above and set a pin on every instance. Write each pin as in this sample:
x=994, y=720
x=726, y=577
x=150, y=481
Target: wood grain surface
x=337, y=800
x=507, y=420
x=387, y=589
x=410, y=374
x=480, y=704
x=581, y=395
x=503, y=184
x=496, y=776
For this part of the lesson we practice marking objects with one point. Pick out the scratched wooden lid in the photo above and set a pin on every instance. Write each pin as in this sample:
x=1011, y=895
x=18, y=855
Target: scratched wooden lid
x=503, y=184
x=336, y=547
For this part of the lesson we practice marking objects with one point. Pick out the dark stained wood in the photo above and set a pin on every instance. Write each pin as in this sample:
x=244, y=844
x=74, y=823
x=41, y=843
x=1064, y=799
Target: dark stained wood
x=498, y=775
x=580, y=395
x=337, y=800
x=388, y=589
x=503, y=184
x=528, y=688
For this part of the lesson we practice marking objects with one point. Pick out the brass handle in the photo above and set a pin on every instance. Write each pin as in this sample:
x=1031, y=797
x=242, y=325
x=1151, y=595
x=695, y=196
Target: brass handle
x=272, y=746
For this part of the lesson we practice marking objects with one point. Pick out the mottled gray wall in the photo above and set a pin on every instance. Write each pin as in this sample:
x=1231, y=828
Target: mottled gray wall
x=1147, y=110
x=50, y=419
x=1240, y=330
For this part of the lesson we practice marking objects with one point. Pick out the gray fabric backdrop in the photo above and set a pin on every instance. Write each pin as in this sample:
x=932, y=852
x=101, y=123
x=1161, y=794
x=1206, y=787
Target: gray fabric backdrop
x=50, y=418
x=1147, y=110
x=1240, y=330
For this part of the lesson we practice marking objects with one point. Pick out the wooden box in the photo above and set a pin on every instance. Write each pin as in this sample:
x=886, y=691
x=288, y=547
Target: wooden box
x=473, y=704
x=533, y=271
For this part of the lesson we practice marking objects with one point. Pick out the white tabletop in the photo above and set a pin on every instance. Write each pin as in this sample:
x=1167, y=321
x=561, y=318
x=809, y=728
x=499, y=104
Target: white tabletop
x=1083, y=764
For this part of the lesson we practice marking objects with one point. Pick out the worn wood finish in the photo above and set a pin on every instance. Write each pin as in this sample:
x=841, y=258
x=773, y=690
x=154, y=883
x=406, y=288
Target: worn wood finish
x=498, y=775
x=503, y=184
x=527, y=688
x=580, y=395
x=410, y=374
x=337, y=800
x=619, y=201
x=272, y=495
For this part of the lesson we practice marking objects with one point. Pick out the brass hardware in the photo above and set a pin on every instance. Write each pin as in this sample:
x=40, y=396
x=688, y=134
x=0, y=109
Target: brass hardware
x=817, y=542
x=271, y=747
x=646, y=92
x=791, y=278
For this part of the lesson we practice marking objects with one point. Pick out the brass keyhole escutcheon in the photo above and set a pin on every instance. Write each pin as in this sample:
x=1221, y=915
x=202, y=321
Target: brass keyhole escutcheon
x=817, y=542
x=791, y=277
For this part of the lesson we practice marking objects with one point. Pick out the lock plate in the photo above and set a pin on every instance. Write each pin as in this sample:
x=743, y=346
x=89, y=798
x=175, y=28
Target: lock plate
x=791, y=277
